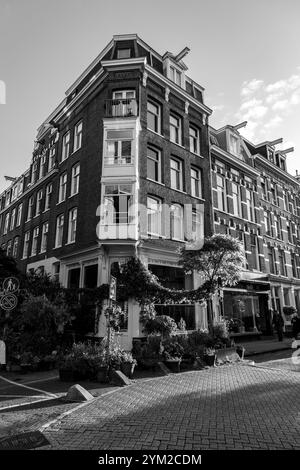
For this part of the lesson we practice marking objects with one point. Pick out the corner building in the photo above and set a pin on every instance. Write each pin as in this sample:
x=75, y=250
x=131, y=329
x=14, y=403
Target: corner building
x=120, y=168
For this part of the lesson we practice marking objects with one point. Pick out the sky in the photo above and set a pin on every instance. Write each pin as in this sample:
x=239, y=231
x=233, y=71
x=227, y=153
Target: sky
x=246, y=54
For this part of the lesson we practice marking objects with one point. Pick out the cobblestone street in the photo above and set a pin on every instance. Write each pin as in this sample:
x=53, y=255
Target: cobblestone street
x=230, y=407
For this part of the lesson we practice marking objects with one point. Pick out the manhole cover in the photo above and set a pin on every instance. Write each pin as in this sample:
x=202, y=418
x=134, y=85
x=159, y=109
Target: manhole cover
x=27, y=440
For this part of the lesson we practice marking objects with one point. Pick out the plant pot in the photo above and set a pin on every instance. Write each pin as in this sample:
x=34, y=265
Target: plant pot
x=173, y=364
x=210, y=359
x=128, y=368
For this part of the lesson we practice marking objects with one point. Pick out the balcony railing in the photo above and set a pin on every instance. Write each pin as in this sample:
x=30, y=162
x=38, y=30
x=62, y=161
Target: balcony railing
x=120, y=108
x=119, y=160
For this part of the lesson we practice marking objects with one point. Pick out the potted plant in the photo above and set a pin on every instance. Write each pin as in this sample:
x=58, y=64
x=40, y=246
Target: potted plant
x=209, y=356
x=128, y=364
x=289, y=310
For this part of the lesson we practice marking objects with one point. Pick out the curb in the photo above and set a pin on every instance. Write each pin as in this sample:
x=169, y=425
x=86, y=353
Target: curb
x=256, y=353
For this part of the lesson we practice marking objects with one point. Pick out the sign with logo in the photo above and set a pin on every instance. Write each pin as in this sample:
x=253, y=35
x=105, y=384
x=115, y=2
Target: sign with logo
x=8, y=302
x=113, y=288
x=10, y=284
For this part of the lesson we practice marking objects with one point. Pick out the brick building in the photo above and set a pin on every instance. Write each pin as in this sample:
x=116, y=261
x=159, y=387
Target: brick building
x=256, y=200
x=117, y=169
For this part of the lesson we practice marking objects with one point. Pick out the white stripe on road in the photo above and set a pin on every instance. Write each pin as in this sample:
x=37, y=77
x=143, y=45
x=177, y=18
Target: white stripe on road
x=29, y=388
x=18, y=405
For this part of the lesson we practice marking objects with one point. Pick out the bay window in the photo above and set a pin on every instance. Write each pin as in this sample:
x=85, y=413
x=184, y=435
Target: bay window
x=119, y=147
x=117, y=201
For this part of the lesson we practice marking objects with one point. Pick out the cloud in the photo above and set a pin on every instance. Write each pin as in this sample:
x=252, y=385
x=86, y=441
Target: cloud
x=273, y=122
x=279, y=105
x=251, y=86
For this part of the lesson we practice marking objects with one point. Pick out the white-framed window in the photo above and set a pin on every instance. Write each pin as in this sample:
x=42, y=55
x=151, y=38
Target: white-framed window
x=48, y=196
x=221, y=193
x=65, y=146
x=154, y=116
x=19, y=215
x=34, y=170
x=6, y=223
x=196, y=182
x=39, y=199
x=26, y=244
x=119, y=147
x=78, y=136
x=13, y=219
x=176, y=174
x=75, y=179
x=124, y=95
x=176, y=222
x=30, y=207
x=62, y=193
x=72, y=225
x=42, y=166
x=249, y=202
x=196, y=224
x=7, y=198
x=154, y=216
x=118, y=199
x=35, y=237
x=236, y=199
x=154, y=164
x=194, y=135
x=44, y=241
x=51, y=162
x=175, y=75
x=234, y=144
x=59, y=230
x=15, y=249
x=175, y=129
x=124, y=53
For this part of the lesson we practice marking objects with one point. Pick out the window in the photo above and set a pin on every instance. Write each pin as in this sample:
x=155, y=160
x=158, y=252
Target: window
x=26, y=244
x=51, y=158
x=176, y=222
x=271, y=260
x=119, y=147
x=254, y=251
x=236, y=200
x=30, y=208
x=39, y=199
x=154, y=216
x=117, y=201
x=44, y=241
x=123, y=53
x=77, y=136
x=196, y=182
x=176, y=174
x=59, y=231
x=175, y=129
x=267, y=223
x=35, y=241
x=6, y=224
x=175, y=75
x=286, y=200
x=9, y=248
x=124, y=95
x=65, y=146
x=72, y=225
x=281, y=258
x=75, y=179
x=7, y=198
x=221, y=193
x=48, y=196
x=13, y=219
x=234, y=144
x=264, y=189
x=194, y=135
x=62, y=188
x=154, y=117
x=19, y=215
x=277, y=223
x=34, y=172
x=15, y=249
x=196, y=224
x=289, y=232
x=154, y=164
x=249, y=202
x=42, y=166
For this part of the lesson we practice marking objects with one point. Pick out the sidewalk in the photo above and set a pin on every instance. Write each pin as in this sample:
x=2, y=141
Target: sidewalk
x=265, y=346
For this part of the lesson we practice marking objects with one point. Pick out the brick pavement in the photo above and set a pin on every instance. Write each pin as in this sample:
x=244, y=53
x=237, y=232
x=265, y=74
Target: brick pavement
x=229, y=407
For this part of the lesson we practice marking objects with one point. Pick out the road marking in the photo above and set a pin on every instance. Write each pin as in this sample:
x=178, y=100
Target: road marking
x=29, y=388
x=30, y=382
x=20, y=396
x=18, y=405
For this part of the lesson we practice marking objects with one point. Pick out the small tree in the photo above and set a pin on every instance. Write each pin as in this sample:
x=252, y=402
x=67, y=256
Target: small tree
x=8, y=265
x=219, y=262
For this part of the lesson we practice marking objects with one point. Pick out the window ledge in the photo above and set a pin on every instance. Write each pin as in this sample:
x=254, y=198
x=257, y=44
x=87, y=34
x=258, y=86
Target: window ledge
x=178, y=190
x=60, y=202
x=157, y=182
x=75, y=151
x=72, y=195
x=178, y=145
x=155, y=133
x=70, y=243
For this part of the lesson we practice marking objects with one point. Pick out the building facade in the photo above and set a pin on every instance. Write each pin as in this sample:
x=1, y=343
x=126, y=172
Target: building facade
x=256, y=200
x=120, y=168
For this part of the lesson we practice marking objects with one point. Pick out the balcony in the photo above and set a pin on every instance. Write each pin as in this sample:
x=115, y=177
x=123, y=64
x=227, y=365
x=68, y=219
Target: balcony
x=121, y=108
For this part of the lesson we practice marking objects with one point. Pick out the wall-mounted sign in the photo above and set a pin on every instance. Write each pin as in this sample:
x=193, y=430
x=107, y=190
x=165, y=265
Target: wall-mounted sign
x=10, y=285
x=8, y=302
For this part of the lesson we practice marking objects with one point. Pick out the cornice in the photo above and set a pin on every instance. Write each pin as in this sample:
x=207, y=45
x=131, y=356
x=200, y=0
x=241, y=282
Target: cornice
x=235, y=160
